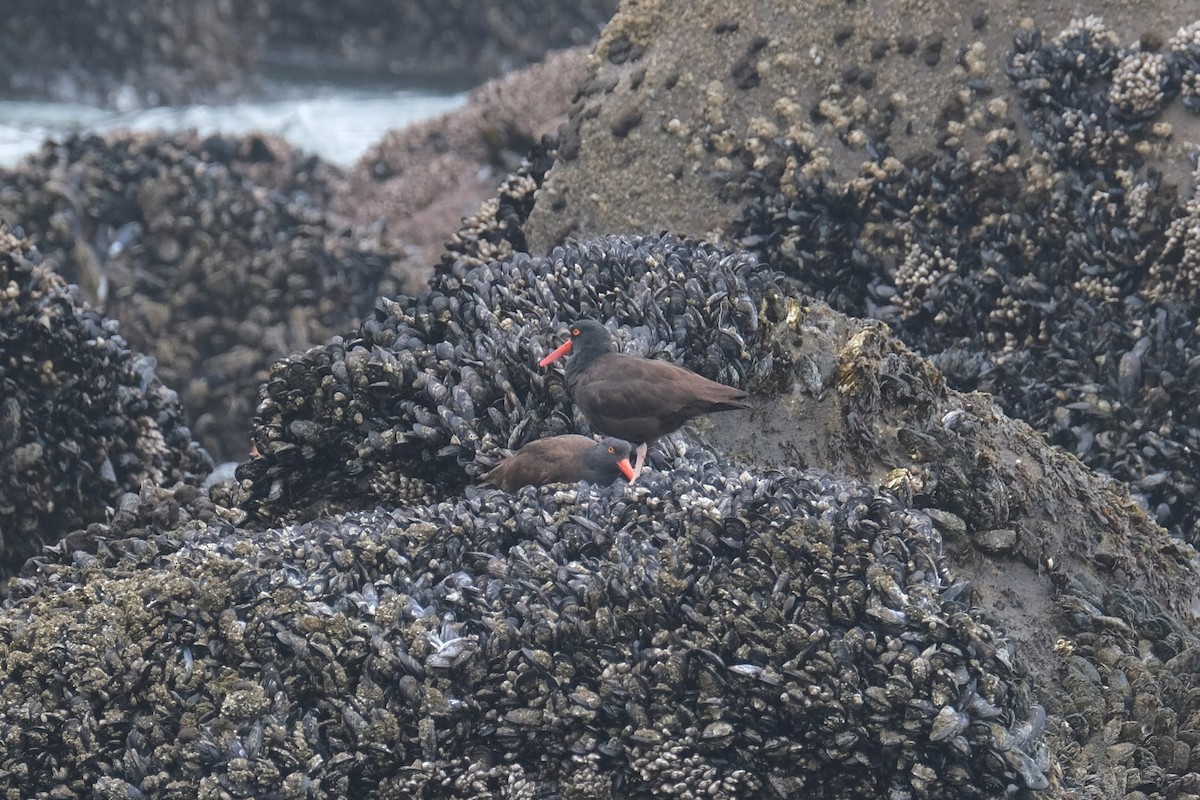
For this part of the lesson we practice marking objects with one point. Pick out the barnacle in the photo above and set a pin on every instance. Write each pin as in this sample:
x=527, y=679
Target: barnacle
x=1059, y=274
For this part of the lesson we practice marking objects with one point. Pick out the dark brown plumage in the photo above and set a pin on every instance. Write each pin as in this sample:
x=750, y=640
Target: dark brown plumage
x=637, y=399
x=563, y=459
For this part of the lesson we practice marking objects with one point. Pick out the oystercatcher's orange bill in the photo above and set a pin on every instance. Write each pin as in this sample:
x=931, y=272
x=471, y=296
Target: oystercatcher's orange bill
x=625, y=466
x=562, y=350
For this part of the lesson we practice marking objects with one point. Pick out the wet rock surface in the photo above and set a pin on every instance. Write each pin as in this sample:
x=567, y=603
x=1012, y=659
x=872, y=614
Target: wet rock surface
x=1014, y=199
x=215, y=254
x=83, y=418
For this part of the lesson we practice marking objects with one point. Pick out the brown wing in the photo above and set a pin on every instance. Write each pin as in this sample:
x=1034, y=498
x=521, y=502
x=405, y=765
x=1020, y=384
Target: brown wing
x=641, y=399
x=554, y=459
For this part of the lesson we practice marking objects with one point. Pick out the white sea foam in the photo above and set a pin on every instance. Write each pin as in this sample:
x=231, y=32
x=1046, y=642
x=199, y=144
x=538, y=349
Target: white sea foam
x=338, y=124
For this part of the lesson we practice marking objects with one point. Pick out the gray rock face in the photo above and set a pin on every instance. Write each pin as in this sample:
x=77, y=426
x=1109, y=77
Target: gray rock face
x=684, y=98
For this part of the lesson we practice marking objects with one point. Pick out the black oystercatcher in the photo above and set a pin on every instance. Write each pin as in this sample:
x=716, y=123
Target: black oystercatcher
x=563, y=459
x=638, y=399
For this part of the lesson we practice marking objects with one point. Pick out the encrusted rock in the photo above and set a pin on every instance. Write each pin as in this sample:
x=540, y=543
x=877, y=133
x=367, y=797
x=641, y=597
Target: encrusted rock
x=83, y=418
x=1058, y=274
x=707, y=632
x=216, y=254
x=426, y=393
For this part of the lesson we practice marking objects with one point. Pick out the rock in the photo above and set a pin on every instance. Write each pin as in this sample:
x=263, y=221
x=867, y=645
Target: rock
x=1065, y=352
x=833, y=391
x=145, y=52
x=216, y=254
x=423, y=179
x=403, y=628
x=589, y=637
x=1022, y=212
x=83, y=418
x=997, y=541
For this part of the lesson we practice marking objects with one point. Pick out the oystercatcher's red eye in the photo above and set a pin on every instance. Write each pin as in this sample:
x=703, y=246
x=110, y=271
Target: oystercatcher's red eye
x=575, y=332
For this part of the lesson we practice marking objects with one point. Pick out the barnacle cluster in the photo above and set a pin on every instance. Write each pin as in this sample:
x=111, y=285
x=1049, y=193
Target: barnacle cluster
x=83, y=418
x=428, y=391
x=1185, y=44
x=216, y=255
x=1057, y=271
x=707, y=632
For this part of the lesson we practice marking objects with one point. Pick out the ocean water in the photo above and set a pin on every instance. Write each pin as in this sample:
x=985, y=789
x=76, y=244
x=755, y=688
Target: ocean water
x=337, y=123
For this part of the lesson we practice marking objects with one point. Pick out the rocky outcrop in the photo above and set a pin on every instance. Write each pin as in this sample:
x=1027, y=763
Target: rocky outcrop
x=1012, y=196
x=870, y=584
x=216, y=255
x=595, y=636
x=419, y=402
x=1053, y=271
x=689, y=632
x=83, y=418
x=1097, y=599
x=683, y=116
